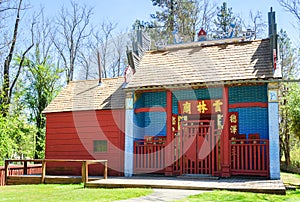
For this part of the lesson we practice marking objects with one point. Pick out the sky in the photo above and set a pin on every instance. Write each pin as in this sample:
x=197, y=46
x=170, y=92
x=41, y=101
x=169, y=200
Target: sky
x=125, y=12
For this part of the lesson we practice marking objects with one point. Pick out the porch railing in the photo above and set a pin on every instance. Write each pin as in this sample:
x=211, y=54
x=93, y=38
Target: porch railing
x=11, y=176
x=150, y=155
x=29, y=169
x=250, y=157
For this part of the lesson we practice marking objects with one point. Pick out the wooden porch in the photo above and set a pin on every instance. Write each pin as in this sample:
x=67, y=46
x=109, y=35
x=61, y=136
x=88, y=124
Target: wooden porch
x=256, y=185
x=12, y=178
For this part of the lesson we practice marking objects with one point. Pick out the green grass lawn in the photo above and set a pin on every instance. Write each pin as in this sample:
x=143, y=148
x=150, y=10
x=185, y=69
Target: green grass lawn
x=287, y=178
x=292, y=196
x=68, y=193
x=78, y=193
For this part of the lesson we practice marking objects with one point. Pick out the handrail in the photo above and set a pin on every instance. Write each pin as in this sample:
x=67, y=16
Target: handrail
x=84, y=172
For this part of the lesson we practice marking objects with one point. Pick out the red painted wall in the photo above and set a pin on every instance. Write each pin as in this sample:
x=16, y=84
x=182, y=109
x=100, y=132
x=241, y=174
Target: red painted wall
x=70, y=135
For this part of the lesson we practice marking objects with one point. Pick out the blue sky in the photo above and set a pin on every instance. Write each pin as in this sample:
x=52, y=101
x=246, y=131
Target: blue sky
x=124, y=12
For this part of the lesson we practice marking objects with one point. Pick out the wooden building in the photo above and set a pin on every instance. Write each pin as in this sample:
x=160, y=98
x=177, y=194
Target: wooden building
x=201, y=108
x=86, y=121
x=207, y=107
x=204, y=108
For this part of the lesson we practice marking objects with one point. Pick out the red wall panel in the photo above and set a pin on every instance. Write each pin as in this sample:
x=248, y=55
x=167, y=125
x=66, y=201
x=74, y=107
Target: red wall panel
x=70, y=135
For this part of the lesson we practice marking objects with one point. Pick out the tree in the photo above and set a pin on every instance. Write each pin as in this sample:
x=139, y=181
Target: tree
x=43, y=86
x=207, y=12
x=104, y=39
x=227, y=24
x=16, y=137
x=289, y=112
x=292, y=6
x=70, y=35
x=178, y=20
x=257, y=25
x=9, y=82
x=177, y=16
x=42, y=80
x=111, y=48
x=120, y=43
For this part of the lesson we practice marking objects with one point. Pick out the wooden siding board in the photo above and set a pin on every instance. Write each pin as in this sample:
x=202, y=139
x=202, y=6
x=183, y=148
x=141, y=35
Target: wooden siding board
x=66, y=140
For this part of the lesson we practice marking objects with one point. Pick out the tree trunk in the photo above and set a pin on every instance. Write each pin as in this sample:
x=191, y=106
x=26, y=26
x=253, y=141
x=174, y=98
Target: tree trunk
x=287, y=148
x=6, y=70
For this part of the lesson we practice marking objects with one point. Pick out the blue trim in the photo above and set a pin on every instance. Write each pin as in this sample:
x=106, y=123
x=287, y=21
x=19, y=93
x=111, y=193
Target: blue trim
x=274, y=141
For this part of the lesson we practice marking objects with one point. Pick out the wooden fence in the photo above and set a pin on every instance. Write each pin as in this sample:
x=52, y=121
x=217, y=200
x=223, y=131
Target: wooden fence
x=250, y=157
x=149, y=155
x=31, y=169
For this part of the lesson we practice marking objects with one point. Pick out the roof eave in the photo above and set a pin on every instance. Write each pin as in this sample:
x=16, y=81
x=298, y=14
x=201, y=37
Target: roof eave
x=208, y=84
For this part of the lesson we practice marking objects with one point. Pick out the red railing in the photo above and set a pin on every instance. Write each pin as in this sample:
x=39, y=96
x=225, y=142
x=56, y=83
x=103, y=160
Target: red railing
x=19, y=170
x=149, y=155
x=250, y=157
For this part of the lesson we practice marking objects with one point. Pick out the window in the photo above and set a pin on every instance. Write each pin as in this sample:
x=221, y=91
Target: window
x=100, y=146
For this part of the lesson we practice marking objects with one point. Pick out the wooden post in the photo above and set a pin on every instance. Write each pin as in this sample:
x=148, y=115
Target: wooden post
x=169, y=149
x=105, y=170
x=84, y=172
x=225, y=143
x=6, y=170
x=43, y=171
x=25, y=168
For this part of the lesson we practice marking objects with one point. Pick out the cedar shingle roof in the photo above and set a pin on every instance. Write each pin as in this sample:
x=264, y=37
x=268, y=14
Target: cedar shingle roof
x=204, y=62
x=87, y=95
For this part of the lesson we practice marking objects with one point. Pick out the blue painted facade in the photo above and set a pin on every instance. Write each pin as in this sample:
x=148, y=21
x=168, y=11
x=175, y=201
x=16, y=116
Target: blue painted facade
x=243, y=94
x=150, y=123
x=242, y=99
x=154, y=123
x=252, y=119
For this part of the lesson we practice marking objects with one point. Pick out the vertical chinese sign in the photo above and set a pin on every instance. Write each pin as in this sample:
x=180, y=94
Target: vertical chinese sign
x=174, y=123
x=233, y=124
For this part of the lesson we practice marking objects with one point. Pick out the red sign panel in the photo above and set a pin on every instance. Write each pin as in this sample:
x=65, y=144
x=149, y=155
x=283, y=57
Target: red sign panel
x=233, y=124
x=174, y=123
x=200, y=107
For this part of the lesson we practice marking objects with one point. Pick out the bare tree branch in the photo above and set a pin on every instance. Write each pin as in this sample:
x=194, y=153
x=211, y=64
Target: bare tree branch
x=292, y=6
x=72, y=30
x=22, y=61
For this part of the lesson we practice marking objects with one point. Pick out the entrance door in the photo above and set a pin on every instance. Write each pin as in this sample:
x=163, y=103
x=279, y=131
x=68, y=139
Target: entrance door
x=197, y=147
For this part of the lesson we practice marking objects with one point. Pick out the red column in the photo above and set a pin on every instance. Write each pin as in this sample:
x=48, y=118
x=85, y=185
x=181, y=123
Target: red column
x=169, y=148
x=225, y=147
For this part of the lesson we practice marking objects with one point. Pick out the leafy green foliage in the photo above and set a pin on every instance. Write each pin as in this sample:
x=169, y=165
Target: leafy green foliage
x=293, y=107
x=288, y=56
x=290, y=99
x=42, y=87
x=16, y=138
